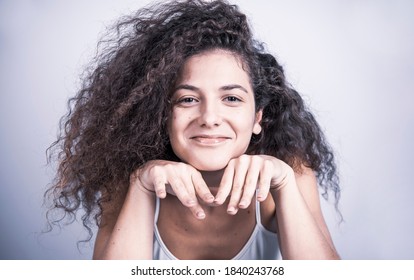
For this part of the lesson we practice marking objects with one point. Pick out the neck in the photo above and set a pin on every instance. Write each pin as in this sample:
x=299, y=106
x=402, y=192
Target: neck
x=213, y=179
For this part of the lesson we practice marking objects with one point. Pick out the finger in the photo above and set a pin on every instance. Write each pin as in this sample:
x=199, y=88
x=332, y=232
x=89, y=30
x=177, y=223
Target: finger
x=197, y=209
x=181, y=192
x=226, y=184
x=184, y=190
x=240, y=172
x=160, y=183
x=157, y=178
x=265, y=178
x=201, y=187
x=251, y=181
x=198, y=212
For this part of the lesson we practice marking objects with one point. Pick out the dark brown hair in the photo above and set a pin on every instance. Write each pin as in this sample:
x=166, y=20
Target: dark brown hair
x=117, y=120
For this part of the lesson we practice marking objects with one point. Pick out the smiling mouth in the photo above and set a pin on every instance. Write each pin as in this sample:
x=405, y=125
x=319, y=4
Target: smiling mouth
x=209, y=140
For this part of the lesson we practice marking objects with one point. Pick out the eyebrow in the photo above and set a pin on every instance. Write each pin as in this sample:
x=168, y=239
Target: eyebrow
x=196, y=89
x=234, y=86
x=187, y=87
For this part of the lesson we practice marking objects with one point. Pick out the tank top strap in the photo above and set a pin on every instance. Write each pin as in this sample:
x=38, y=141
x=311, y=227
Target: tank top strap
x=157, y=209
x=258, y=215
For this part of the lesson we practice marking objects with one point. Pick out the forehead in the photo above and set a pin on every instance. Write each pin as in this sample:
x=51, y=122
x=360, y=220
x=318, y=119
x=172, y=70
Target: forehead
x=218, y=64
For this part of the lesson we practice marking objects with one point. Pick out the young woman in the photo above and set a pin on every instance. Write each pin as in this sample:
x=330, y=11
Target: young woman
x=186, y=142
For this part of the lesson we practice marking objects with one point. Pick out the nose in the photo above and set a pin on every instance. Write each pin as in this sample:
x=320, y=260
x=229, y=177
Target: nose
x=210, y=115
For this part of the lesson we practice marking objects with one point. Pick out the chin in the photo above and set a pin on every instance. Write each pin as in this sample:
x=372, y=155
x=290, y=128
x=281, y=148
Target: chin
x=209, y=166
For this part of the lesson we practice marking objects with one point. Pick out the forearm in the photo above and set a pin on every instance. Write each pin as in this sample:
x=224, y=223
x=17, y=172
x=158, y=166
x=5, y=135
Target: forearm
x=300, y=235
x=132, y=235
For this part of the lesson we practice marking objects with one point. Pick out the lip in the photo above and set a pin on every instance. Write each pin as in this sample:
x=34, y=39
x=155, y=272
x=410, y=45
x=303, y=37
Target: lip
x=205, y=139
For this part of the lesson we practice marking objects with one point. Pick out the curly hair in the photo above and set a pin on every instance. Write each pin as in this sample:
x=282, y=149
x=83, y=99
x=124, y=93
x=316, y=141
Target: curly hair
x=117, y=120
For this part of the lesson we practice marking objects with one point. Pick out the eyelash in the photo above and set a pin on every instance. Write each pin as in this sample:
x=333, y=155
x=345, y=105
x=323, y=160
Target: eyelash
x=186, y=100
x=189, y=100
x=234, y=98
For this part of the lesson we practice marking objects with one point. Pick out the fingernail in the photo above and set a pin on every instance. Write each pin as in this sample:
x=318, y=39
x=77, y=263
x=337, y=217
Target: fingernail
x=242, y=203
x=218, y=200
x=201, y=215
x=232, y=210
x=209, y=198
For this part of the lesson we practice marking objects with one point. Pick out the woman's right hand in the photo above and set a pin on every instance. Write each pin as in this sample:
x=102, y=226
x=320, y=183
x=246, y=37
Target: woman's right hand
x=176, y=178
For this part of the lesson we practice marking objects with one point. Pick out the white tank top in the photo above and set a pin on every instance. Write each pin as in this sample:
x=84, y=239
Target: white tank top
x=262, y=244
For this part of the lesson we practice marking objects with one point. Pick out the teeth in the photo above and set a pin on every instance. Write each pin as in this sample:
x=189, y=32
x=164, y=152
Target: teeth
x=209, y=140
x=205, y=140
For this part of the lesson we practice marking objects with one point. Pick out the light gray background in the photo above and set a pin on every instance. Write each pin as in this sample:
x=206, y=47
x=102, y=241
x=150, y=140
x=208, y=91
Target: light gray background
x=353, y=61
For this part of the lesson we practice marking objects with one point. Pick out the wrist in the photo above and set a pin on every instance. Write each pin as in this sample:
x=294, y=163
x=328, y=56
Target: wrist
x=136, y=187
x=286, y=178
x=144, y=190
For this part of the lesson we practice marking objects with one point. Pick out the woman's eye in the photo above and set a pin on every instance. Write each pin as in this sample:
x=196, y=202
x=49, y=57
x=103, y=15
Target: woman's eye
x=232, y=99
x=186, y=100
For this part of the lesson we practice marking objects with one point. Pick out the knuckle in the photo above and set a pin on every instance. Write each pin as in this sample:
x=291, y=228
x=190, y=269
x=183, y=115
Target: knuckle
x=159, y=184
x=237, y=187
x=201, y=188
x=256, y=157
x=264, y=185
x=250, y=182
x=154, y=170
x=194, y=173
x=244, y=158
x=175, y=182
x=182, y=166
x=268, y=164
x=231, y=164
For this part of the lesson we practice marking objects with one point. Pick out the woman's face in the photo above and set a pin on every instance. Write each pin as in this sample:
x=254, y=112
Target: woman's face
x=213, y=114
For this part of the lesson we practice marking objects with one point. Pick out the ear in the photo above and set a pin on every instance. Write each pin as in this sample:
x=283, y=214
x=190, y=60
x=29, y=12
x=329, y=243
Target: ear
x=257, y=128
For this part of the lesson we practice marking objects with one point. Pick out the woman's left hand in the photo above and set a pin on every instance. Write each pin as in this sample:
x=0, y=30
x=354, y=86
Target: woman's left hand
x=245, y=174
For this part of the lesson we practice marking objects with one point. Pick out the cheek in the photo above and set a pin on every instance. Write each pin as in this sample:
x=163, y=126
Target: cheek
x=176, y=125
x=245, y=121
x=170, y=126
x=172, y=119
x=180, y=119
